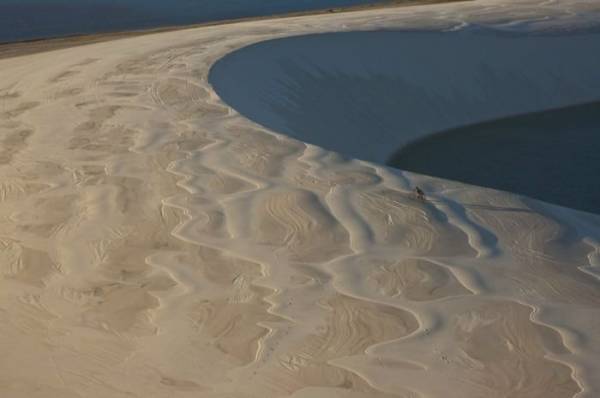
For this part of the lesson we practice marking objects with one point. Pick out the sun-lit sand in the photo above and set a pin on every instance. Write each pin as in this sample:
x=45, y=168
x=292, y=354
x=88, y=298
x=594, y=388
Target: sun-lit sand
x=156, y=243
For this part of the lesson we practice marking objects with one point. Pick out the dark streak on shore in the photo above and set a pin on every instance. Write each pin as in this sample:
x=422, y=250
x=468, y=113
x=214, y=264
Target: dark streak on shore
x=26, y=47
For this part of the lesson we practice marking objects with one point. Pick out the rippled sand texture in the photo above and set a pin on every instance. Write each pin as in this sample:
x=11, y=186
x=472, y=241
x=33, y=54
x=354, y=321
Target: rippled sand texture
x=154, y=243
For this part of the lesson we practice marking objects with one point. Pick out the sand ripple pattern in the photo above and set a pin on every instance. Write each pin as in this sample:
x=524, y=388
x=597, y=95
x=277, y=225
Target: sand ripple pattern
x=154, y=243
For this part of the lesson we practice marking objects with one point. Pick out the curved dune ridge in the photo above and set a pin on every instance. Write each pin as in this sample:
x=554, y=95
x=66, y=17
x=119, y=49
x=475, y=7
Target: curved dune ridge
x=156, y=243
x=382, y=90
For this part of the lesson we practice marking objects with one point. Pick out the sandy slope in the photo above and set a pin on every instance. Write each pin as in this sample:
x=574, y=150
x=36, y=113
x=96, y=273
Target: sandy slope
x=154, y=243
x=384, y=89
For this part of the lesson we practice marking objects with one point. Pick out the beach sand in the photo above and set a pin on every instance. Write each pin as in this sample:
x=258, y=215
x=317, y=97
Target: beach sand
x=155, y=243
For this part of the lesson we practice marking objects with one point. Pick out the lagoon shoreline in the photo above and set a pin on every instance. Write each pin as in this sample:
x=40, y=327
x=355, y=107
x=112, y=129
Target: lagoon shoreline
x=385, y=90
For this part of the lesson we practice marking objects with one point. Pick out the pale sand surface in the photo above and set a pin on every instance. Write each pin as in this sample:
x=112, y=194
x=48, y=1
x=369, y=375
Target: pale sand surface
x=155, y=243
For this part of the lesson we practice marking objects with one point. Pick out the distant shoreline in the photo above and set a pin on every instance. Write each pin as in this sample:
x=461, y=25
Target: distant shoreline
x=32, y=46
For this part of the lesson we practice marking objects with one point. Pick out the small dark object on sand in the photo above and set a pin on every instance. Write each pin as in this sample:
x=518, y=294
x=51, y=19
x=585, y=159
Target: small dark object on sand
x=420, y=194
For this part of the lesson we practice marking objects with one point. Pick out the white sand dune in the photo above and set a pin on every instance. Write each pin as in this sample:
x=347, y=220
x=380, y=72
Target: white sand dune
x=155, y=243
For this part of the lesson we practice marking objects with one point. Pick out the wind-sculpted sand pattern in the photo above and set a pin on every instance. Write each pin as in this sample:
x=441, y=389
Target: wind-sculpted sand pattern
x=154, y=243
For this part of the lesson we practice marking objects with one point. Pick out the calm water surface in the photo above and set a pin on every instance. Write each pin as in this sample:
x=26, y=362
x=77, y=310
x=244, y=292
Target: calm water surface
x=32, y=19
x=369, y=94
x=552, y=155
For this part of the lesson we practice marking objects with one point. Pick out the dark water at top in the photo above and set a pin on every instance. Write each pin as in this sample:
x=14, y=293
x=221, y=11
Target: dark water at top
x=552, y=155
x=32, y=19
